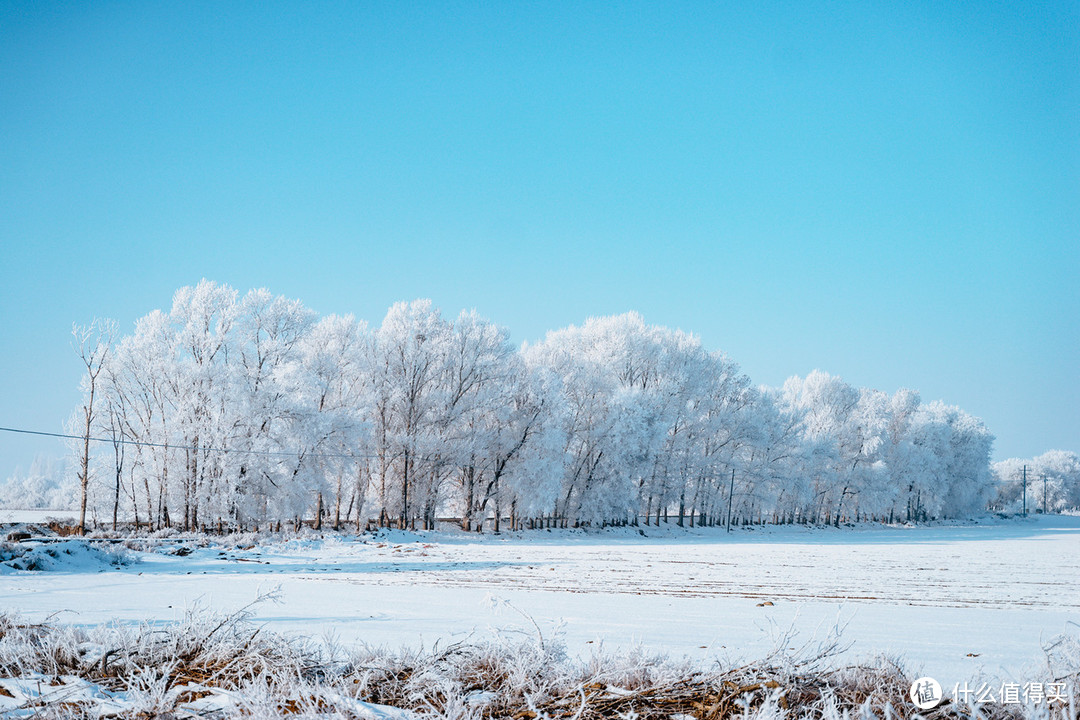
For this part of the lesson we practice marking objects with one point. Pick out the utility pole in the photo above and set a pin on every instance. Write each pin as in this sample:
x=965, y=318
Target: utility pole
x=731, y=491
x=1025, y=491
x=1044, y=493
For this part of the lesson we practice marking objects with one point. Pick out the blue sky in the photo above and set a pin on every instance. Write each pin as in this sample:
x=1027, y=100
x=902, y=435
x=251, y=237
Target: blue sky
x=888, y=193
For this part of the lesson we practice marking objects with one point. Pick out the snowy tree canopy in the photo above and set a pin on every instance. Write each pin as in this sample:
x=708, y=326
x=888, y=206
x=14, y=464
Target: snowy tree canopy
x=250, y=411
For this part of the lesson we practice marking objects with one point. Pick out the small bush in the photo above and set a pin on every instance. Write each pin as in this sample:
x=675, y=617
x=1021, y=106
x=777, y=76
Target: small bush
x=66, y=554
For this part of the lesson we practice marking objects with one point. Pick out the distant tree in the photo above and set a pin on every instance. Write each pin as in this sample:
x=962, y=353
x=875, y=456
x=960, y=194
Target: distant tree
x=1053, y=482
x=44, y=486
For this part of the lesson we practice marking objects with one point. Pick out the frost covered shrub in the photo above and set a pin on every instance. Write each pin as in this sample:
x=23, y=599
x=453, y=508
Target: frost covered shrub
x=210, y=665
x=65, y=555
x=1063, y=659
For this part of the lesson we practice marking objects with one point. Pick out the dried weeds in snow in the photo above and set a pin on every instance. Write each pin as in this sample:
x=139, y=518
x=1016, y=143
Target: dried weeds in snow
x=224, y=666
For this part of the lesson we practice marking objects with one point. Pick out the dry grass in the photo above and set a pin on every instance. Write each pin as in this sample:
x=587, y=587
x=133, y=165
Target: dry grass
x=159, y=671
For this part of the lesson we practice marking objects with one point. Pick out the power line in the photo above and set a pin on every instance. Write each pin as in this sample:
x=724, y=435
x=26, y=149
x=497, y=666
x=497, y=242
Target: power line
x=167, y=446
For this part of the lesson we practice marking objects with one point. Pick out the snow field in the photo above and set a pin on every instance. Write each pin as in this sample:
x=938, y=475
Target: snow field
x=957, y=603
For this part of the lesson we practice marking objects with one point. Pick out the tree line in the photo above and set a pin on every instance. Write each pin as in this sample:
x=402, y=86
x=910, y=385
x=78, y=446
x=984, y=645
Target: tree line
x=1048, y=483
x=250, y=412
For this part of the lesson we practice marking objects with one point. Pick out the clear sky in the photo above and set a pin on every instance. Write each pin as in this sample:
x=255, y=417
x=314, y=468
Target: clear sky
x=886, y=191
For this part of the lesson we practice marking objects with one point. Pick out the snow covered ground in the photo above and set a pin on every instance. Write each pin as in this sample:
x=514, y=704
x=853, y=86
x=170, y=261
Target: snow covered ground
x=956, y=602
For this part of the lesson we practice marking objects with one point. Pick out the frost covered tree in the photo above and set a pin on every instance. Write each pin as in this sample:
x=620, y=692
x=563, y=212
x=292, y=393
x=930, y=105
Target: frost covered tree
x=330, y=416
x=651, y=419
x=831, y=418
x=865, y=451
x=603, y=369
x=1053, y=482
x=952, y=470
x=204, y=317
x=44, y=486
x=92, y=343
x=144, y=372
x=271, y=429
x=479, y=379
x=253, y=412
x=411, y=354
x=776, y=456
x=111, y=425
x=899, y=455
x=526, y=445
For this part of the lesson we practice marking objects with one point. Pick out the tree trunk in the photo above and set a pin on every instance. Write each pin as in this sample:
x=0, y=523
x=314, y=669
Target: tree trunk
x=337, y=499
x=116, y=492
x=84, y=477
